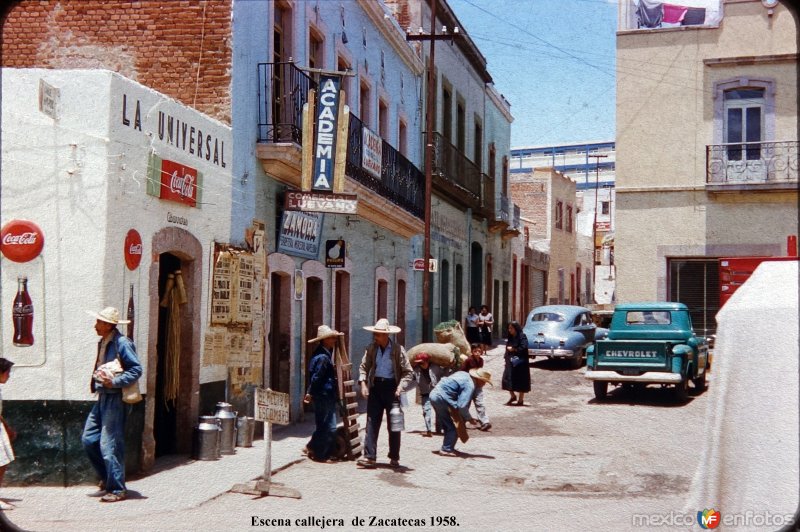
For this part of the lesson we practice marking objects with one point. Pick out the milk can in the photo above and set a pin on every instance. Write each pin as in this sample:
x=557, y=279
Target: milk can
x=245, y=429
x=396, y=418
x=205, y=445
x=227, y=420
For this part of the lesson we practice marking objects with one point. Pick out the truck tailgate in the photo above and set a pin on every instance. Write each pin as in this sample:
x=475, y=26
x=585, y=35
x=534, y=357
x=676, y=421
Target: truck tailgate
x=619, y=353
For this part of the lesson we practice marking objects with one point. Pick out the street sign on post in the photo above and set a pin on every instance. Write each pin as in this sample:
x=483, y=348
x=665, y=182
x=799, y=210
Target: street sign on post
x=270, y=407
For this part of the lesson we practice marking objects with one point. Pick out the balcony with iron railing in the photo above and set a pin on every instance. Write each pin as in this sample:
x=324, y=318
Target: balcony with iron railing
x=752, y=166
x=456, y=177
x=282, y=93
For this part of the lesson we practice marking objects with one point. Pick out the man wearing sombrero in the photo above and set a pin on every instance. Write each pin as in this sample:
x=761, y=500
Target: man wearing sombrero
x=104, y=433
x=384, y=374
x=323, y=392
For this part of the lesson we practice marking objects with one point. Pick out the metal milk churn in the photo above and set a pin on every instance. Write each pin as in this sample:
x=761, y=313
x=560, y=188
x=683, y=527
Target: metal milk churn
x=227, y=420
x=245, y=429
x=396, y=418
x=205, y=445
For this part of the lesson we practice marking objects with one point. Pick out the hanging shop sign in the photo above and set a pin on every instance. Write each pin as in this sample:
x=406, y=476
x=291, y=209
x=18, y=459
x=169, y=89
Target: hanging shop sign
x=300, y=234
x=21, y=240
x=173, y=181
x=317, y=202
x=371, y=152
x=325, y=126
x=133, y=249
x=334, y=253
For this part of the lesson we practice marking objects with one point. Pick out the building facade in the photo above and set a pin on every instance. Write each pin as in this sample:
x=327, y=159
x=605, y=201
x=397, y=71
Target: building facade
x=591, y=165
x=715, y=176
x=127, y=204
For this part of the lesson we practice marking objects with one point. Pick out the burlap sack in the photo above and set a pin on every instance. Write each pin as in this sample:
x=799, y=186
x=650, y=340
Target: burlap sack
x=444, y=355
x=451, y=332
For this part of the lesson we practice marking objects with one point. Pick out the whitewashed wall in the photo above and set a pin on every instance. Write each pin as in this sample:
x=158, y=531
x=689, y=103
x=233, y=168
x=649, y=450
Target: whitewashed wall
x=82, y=179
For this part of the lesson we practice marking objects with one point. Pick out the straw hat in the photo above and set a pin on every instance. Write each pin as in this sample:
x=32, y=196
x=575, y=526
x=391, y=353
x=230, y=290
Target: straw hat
x=108, y=315
x=382, y=326
x=323, y=331
x=482, y=374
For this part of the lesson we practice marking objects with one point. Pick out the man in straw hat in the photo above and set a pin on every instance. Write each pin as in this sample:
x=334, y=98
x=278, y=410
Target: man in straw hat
x=323, y=391
x=384, y=374
x=104, y=432
x=456, y=392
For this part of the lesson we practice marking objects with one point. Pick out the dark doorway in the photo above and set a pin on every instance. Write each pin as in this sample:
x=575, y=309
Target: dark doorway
x=459, y=295
x=444, y=292
x=166, y=412
x=342, y=303
x=476, y=276
x=401, y=311
x=279, y=336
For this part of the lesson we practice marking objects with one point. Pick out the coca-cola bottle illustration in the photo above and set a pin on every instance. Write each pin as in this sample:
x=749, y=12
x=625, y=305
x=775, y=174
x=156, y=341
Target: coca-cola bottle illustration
x=131, y=314
x=23, y=314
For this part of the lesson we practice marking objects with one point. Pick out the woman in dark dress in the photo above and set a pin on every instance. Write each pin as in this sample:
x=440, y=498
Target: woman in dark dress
x=517, y=374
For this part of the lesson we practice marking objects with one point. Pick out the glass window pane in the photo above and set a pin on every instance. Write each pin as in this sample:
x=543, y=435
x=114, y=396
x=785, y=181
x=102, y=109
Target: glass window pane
x=753, y=132
x=744, y=94
x=733, y=128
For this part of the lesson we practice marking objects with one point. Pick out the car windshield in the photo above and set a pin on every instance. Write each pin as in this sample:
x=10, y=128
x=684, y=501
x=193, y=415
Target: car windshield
x=547, y=316
x=648, y=317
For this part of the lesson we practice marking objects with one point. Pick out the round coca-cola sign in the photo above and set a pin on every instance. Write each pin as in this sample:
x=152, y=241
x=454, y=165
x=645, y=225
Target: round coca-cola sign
x=133, y=249
x=21, y=240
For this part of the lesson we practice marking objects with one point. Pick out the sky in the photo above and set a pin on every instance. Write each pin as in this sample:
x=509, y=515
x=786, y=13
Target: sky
x=553, y=60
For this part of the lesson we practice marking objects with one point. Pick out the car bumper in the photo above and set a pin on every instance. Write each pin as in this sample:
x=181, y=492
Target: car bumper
x=552, y=352
x=658, y=377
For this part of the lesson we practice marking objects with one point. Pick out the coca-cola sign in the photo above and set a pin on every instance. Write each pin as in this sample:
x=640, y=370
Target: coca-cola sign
x=21, y=240
x=133, y=249
x=179, y=183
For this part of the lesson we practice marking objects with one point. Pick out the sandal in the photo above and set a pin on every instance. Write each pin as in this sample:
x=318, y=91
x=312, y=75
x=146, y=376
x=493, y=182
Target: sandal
x=113, y=497
x=511, y=401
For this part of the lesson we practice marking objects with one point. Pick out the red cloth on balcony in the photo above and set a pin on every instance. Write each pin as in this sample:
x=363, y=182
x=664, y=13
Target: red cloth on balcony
x=674, y=14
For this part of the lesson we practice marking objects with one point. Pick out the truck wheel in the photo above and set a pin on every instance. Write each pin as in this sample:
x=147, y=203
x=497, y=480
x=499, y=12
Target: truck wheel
x=700, y=382
x=600, y=390
x=682, y=391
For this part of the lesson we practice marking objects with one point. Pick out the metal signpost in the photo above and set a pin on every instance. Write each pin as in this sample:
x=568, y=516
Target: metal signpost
x=270, y=407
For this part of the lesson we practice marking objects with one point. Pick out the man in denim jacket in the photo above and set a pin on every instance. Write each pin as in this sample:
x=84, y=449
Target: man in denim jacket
x=104, y=432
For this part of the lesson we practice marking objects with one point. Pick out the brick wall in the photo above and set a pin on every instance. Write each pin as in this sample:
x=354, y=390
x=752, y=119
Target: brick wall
x=181, y=48
x=531, y=195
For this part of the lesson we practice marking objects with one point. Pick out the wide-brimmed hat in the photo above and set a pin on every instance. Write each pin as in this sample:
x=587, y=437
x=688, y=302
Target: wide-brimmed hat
x=382, y=326
x=108, y=315
x=323, y=331
x=482, y=374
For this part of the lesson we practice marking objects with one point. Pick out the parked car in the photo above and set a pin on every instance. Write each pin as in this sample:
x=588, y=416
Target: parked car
x=561, y=331
x=649, y=343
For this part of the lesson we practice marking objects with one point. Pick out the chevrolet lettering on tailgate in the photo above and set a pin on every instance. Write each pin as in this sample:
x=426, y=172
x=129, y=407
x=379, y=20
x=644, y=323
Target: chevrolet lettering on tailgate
x=632, y=354
x=649, y=343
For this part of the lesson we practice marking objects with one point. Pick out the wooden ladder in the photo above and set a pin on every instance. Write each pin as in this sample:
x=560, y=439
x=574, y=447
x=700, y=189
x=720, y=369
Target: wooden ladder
x=347, y=394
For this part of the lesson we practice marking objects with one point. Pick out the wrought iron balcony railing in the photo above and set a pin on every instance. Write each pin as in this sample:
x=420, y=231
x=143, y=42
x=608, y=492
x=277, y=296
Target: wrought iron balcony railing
x=487, y=200
x=282, y=92
x=502, y=211
x=516, y=223
x=400, y=180
x=454, y=174
x=752, y=163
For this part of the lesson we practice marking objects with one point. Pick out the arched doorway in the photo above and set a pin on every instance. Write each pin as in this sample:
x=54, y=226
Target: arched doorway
x=444, y=292
x=168, y=427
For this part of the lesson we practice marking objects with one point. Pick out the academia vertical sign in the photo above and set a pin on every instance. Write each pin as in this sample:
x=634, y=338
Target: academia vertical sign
x=325, y=134
x=325, y=123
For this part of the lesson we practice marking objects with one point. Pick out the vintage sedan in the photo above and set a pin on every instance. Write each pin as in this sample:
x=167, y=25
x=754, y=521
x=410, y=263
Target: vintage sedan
x=561, y=331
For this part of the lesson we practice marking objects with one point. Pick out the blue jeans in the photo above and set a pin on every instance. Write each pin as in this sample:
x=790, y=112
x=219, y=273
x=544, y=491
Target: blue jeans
x=104, y=440
x=325, y=418
x=426, y=411
x=442, y=409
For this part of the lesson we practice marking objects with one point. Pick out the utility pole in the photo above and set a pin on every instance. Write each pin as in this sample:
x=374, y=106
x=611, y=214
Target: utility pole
x=597, y=158
x=430, y=96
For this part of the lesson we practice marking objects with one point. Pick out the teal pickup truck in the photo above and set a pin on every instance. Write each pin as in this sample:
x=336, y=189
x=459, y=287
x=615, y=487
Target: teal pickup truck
x=649, y=343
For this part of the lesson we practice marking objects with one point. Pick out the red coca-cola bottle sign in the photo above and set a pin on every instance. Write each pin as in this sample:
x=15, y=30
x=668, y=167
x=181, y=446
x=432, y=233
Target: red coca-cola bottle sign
x=21, y=240
x=133, y=249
